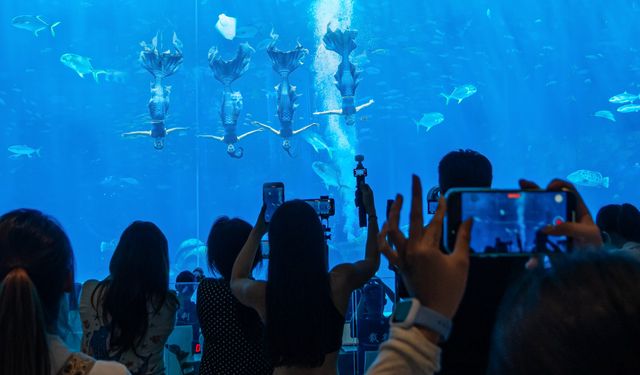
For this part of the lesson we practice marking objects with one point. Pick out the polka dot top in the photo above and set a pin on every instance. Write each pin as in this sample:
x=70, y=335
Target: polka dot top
x=233, y=333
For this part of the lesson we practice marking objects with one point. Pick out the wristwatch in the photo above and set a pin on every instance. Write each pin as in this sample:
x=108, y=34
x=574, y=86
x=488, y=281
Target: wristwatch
x=410, y=312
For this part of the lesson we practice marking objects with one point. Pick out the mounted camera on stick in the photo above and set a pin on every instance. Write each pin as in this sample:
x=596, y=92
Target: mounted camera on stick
x=325, y=208
x=360, y=172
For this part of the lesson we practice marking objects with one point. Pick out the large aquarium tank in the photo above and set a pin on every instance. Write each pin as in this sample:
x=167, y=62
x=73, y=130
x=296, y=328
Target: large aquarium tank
x=174, y=112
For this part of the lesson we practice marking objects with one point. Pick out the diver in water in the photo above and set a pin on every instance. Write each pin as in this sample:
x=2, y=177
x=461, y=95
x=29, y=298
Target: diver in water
x=284, y=63
x=227, y=71
x=231, y=107
x=347, y=78
x=160, y=65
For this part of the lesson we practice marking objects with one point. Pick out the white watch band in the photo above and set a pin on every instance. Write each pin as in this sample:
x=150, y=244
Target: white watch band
x=410, y=312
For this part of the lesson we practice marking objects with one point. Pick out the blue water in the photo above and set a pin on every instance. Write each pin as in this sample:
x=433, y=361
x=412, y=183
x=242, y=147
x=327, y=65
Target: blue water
x=542, y=69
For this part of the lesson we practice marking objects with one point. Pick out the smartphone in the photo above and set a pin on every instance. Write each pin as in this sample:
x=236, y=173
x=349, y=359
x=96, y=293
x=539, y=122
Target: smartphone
x=325, y=206
x=272, y=197
x=508, y=222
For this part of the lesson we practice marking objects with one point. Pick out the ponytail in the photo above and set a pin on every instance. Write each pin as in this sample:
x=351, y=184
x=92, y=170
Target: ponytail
x=23, y=338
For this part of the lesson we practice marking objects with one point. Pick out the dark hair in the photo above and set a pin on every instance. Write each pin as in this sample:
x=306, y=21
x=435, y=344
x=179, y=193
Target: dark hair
x=226, y=239
x=464, y=168
x=621, y=221
x=36, y=269
x=186, y=283
x=298, y=290
x=580, y=317
x=139, y=276
x=185, y=277
x=607, y=218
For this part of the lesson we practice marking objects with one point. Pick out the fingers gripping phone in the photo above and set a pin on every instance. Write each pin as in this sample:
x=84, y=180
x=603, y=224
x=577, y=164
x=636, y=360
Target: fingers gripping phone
x=509, y=222
x=272, y=198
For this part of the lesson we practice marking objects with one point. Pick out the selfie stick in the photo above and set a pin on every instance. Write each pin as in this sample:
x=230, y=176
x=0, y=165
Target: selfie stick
x=360, y=172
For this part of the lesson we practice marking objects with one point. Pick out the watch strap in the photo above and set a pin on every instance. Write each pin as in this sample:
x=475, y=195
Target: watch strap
x=434, y=321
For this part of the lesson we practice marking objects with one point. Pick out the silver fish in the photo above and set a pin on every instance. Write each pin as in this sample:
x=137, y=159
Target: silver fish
x=430, y=120
x=606, y=115
x=330, y=177
x=460, y=93
x=316, y=141
x=627, y=108
x=22, y=150
x=35, y=24
x=81, y=65
x=623, y=98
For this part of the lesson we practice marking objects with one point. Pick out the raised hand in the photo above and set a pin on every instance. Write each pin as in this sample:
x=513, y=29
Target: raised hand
x=584, y=232
x=367, y=200
x=438, y=280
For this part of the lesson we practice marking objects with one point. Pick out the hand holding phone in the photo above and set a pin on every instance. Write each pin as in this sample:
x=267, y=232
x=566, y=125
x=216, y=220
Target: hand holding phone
x=584, y=231
x=261, y=226
x=272, y=198
x=511, y=222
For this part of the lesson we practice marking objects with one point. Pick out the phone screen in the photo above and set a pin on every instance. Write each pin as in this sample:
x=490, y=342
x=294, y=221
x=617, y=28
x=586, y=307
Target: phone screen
x=323, y=207
x=509, y=223
x=273, y=196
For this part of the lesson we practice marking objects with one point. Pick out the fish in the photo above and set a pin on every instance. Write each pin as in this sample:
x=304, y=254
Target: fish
x=316, y=141
x=119, y=182
x=35, y=24
x=623, y=98
x=108, y=246
x=430, y=120
x=116, y=76
x=81, y=65
x=191, y=243
x=330, y=177
x=589, y=178
x=22, y=150
x=361, y=59
x=191, y=254
x=226, y=26
x=460, y=93
x=246, y=32
x=627, y=108
x=372, y=70
x=606, y=115
x=379, y=52
x=129, y=180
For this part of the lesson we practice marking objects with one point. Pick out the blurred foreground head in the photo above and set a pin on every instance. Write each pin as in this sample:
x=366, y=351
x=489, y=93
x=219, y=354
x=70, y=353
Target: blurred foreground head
x=36, y=269
x=579, y=317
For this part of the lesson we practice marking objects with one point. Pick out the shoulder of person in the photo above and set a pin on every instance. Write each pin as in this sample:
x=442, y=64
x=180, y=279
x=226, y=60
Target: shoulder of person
x=171, y=300
x=209, y=282
x=342, y=272
x=108, y=368
x=87, y=290
x=90, y=285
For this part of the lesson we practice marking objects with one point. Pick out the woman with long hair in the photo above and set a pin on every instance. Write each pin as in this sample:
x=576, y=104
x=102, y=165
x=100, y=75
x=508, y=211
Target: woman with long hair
x=302, y=304
x=233, y=333
x=36, y=270
x=128, y=316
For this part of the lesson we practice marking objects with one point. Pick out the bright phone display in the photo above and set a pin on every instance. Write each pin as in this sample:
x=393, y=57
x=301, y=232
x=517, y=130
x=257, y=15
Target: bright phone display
x=508, y=222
